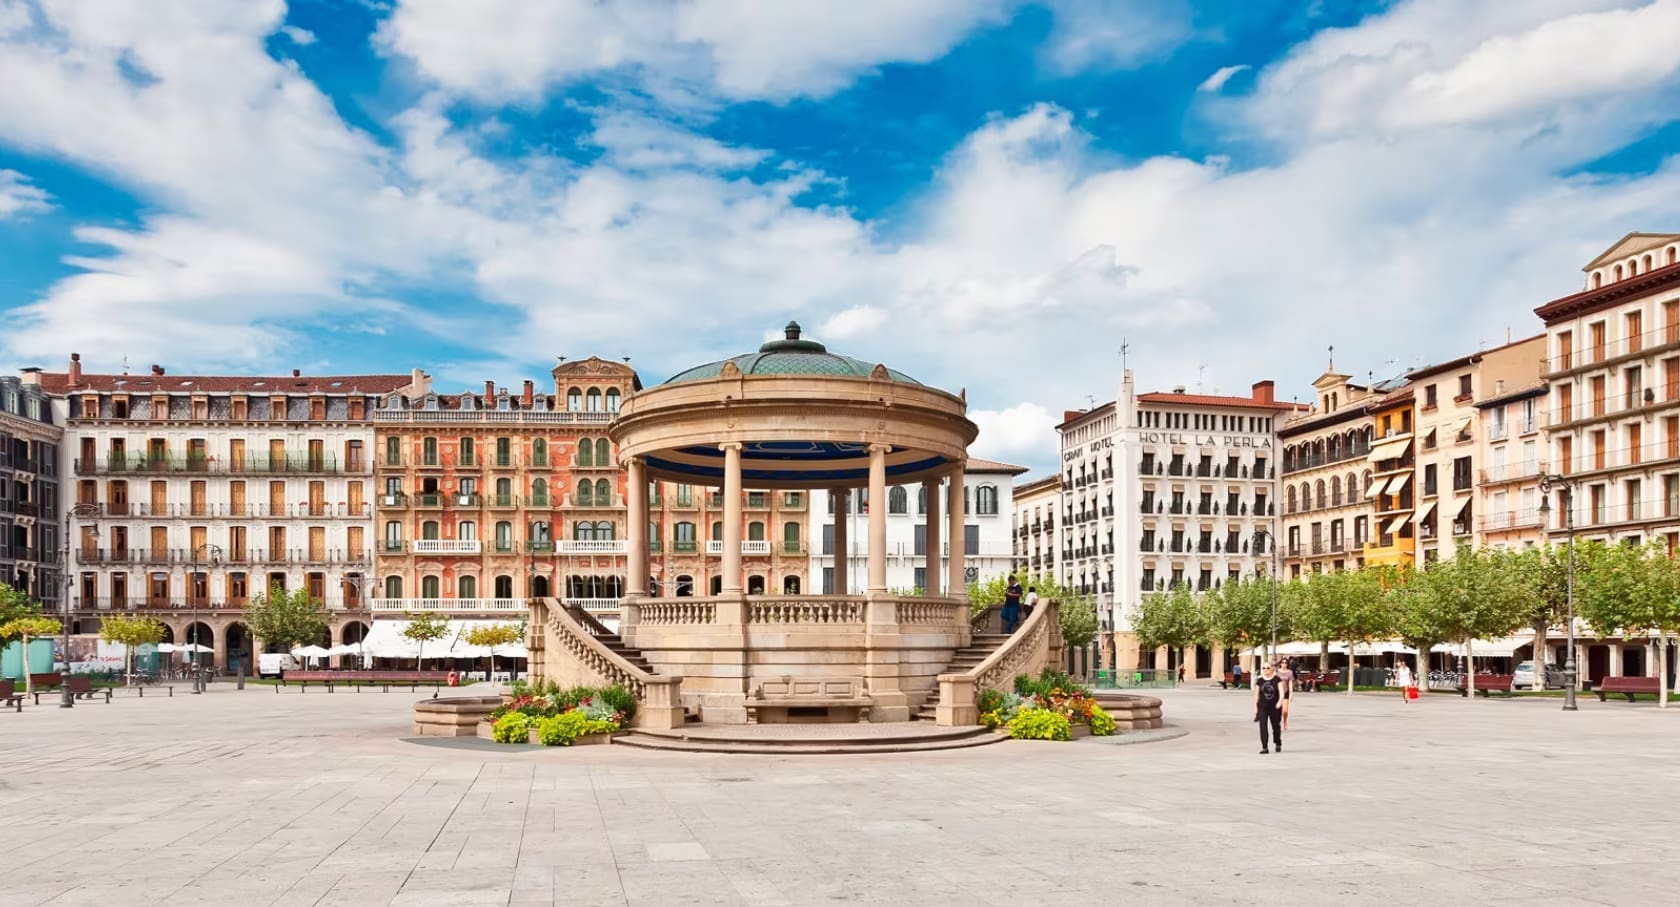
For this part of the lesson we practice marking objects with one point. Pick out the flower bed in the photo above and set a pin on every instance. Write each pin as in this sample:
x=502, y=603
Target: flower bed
x=555, y=717
x=1050, y=706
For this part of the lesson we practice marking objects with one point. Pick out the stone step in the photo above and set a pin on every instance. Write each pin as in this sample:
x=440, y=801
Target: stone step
x=970, y=737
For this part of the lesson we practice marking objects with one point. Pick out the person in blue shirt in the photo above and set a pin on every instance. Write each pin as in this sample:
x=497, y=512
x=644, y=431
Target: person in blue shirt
x=1011, y=605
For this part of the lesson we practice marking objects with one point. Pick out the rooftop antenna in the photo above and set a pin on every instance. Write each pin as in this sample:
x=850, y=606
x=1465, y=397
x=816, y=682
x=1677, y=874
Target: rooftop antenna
x=1201, y=371
x=1125, y=347
x=1092, y=400
x=125, y=365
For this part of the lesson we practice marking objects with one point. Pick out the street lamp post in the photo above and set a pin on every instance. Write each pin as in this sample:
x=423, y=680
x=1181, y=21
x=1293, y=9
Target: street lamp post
x=215, y=552
x=1272, y=541
x=67, y=699
x=1570, y=674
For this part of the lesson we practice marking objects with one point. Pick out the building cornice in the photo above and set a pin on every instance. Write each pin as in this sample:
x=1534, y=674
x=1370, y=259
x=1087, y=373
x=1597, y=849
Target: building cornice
x=1609, y=295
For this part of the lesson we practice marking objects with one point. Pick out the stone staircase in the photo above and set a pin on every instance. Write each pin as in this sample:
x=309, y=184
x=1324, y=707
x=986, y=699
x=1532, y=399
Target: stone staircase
x=811, y=739
x=966, y=659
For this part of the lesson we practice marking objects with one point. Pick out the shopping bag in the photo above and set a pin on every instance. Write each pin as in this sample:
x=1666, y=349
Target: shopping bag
x=1411, y=692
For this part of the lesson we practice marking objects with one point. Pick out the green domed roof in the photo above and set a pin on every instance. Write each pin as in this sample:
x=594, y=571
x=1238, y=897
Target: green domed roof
x=791, y=356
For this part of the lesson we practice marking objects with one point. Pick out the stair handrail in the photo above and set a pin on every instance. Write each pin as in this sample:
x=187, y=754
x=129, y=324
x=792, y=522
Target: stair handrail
x=589, y=621
x=659, y=696
x=1026, y=651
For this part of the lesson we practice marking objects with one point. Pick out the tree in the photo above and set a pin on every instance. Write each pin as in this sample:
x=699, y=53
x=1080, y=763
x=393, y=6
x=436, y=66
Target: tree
x=424, y=628
x=24, y=629
x=1367, y=610
x=285, y=619
x=1174, y=619
x=131, y=632
x=1503, y=598
x=1316, y=610
x=15, y=603
x=1631, y=592
x=1077, y=613
x=1240, y=613
x=493, y=636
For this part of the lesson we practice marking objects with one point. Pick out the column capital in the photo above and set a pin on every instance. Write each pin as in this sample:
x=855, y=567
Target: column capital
x=880, y=447
x=730, y=445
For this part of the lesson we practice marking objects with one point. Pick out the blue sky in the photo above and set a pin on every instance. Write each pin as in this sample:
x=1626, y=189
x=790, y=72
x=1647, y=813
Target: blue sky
x=987, y=194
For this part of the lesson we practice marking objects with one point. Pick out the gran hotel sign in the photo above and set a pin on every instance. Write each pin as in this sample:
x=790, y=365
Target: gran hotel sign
x=1175, y=439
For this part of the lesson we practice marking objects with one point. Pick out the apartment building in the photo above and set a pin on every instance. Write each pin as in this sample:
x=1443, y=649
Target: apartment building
x=487, y=499
x=1390, y=487
x=685, y=541
x=30, y=435
x=1036, y=505
x=208, y=490
x=1326, y=515
x=1612, y=416
x=988, y=530
x=1163, y=489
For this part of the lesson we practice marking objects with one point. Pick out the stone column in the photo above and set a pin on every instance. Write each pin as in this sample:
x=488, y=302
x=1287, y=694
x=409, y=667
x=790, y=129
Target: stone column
x=842, y=503
x=1615, y=660
x=731, y=517
x=930, y=560
x=958, y=579
x=877, y=518
x=637, y=534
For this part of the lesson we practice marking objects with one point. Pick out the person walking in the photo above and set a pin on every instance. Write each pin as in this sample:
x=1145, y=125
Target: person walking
x=1408, y=684
x=1011, y=605
x=1286, y=677
x=1268, y=707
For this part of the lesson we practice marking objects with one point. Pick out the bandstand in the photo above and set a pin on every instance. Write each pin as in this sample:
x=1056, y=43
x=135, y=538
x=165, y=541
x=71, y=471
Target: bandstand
x=795, y=417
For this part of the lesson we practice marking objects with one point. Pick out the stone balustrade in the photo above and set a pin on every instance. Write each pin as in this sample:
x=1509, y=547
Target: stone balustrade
x=805, y=610
x=677, y=612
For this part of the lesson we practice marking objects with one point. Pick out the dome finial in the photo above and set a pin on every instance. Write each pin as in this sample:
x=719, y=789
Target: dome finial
x=792, y=330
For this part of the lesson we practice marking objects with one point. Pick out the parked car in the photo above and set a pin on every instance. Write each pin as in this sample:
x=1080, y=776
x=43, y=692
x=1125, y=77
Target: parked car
x=274, y=664
x=1523, y=677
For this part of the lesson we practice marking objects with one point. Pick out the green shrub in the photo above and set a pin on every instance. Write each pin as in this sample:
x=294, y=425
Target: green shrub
x=566, y=728
x=1040, y=724
x=1102, y=723
x=621, y=700
x=514, y=727
x=990, y=701
x=520, y=688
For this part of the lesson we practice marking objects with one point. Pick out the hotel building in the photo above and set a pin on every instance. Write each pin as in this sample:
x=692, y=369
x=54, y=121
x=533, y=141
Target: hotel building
x=208, y=490
x=1162, y=489
x=1612, y=416
x=30, y=435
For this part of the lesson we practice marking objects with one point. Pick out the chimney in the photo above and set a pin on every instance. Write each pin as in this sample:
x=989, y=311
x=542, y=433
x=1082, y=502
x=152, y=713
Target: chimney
x=489, y=389
x=1178, y=389
x=1263, y=392
x=157, y=370
x=297, y=373
x=1068, y=415
x=31, y=376
x=530, y=392
x=75, y=369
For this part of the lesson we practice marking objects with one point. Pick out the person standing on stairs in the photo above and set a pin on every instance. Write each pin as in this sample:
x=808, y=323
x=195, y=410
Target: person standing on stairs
x=1011, y=605
x=1268, y=707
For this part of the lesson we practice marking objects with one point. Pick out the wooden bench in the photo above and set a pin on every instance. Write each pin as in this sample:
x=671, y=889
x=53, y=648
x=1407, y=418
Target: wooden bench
x=9, y=696
x=788, y=700
x=1231, y=683
x=1488, y=684
x=45, y=681
x=359, y=679
x=80, y=687
x=1628, y=686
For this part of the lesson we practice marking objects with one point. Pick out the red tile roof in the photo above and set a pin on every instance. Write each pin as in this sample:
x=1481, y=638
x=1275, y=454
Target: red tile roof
x=59, y=383
x=1210, y=400
x=975, y=464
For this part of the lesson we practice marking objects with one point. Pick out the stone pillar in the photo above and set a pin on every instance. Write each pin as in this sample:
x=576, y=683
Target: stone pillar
x=842, y=503
x=877, y=518
x=930, y=560
x=731, y=517
x=1615, y=659
x=636, y=583
x=958, y=578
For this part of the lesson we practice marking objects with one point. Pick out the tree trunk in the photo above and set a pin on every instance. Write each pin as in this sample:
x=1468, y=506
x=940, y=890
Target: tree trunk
x=1662, y=670
x=1469, y=668
x=1350, y=666
x=128, y=652
x=28, y=676
x=1541, y=656
x=1324, y=656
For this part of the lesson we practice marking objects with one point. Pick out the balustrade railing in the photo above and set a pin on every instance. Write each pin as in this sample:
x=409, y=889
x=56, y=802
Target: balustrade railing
x=795, y=610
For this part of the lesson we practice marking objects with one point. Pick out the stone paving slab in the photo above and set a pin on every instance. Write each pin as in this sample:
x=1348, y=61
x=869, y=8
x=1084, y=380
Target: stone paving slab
x=241, y=798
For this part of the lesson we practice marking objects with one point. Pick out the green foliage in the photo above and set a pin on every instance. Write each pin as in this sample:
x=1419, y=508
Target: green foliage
x=514, y=727
x=494, y=636
x=989, y=701
x=1102, y=723
x=564, y=729
x=1629, y=590
x=1175, y=619
x=621, y=700
x=1049, y=682
x=1003, y=708
x=425, y=627
x=14, y=604
x=1239, y=614
x=1076, y=613
x=131, y=631
x=1078, y=619
x=1040, y=724
x=25, y=629
x=286, y=619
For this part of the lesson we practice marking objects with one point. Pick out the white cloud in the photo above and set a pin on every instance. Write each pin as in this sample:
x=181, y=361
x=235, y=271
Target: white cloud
x=1022, y=434
x=18, y=197
x=854, y=322
x=302, y=37
x=1220, y=76
x=1115, y=34
x=639, y=142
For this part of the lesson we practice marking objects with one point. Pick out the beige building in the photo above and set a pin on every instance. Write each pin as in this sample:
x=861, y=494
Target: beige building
x=1612, y=416
x=1036, y=505
x=1510, y=450
x=1326, y=514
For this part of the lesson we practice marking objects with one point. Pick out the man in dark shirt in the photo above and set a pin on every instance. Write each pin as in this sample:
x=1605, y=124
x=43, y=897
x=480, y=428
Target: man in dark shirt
x=1011, y=605
x=1268, y=707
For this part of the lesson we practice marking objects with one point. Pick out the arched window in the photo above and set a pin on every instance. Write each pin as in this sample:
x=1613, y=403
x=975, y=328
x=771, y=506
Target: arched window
x=968, y=499
x=504, y=536
x=790, y=537
x=393, y=586
x=540, y=531
x=790, y=585
x=429, y=529
x=467, y=531
x=1352, y=488
x=988, y=499
x=898, y=500
x=539, y=587
x=605, y=530
x=430, y=587
x=583, y=530
x=685, y=586
x=1321, y=498
x=755, y=584
x=1291, y=503
x=755, y=531
x=717, y=531
x=921, y=499
x=574, y=400
x=612, y=399
x=539, y=452
x=539, y=492
x=1647, y=264
x=603, y=493
x=603, y=452
x=504, y=585
x=593, y=400
x=586, y=453
x=1618, y=272
x=1598, y=279
x=717, y=585
x=466, y=587
x=1365, y=483
x=1673, y=254
x=1335, y=491
x=1306, y=496
x=504, y=492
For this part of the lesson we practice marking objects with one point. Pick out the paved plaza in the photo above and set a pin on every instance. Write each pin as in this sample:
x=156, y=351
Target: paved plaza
x=257, y=798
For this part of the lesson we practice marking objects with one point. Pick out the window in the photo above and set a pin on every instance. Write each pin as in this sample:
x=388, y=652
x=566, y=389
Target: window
x=755, y=531
x=574, y=400
x=504, y=586
x=504, y=452
x=717, y=531
x=393, y=587
x=898, y=500
x=685, y=497
x=504, y=492
x=790, y=537
x=1430, y=485
x=393, y=451
x=1429, y=397
x=466, y=587
x=467, y=531
x=603, y=452
x=586, y=453
x=504, y=536
x=430, y=586
x=539, y=452
x=682, y=539
x=603, y=493
x=593, y=400
x=539, y=492
x=987, y=495
x=1464, y=386
x=971, y=539
x=429, y=452
x=429, y=529
x=1461, y=474
x=612, y=399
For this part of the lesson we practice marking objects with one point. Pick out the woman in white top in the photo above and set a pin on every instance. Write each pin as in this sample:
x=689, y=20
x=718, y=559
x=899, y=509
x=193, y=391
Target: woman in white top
x=1403, y=679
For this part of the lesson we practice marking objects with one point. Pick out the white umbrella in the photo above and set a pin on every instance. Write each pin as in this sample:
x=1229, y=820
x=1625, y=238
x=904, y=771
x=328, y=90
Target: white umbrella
x=193, y=647
x=166, y=647
x=311, y=652
x=354, y=648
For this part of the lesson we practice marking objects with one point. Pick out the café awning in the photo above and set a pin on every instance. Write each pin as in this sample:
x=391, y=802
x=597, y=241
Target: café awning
x=1388, y=450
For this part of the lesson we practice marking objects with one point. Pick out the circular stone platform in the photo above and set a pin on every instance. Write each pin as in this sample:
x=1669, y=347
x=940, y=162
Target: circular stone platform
x=1130, y=711
x=889, y=737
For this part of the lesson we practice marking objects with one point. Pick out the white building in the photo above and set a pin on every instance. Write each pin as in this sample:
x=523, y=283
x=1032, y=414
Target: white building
x=1160, y=489
x=988, y=526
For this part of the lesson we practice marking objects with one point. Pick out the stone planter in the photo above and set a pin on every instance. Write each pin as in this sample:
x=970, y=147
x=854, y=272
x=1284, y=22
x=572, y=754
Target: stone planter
x=1077, y=731
x=585, y=740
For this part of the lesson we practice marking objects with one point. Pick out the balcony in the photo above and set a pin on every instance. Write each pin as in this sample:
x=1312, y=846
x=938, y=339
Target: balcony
x=793, y=548
x=542, y=547
x=502, y=501
x=249, y=464
x=593, y=605
x=393, y=501
x=449, y=605
x=594, y=546
x=448, y=546
x=688, y=546
x=747, y=547
x=429, y=501
x=207, y=511
x=476, y=416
